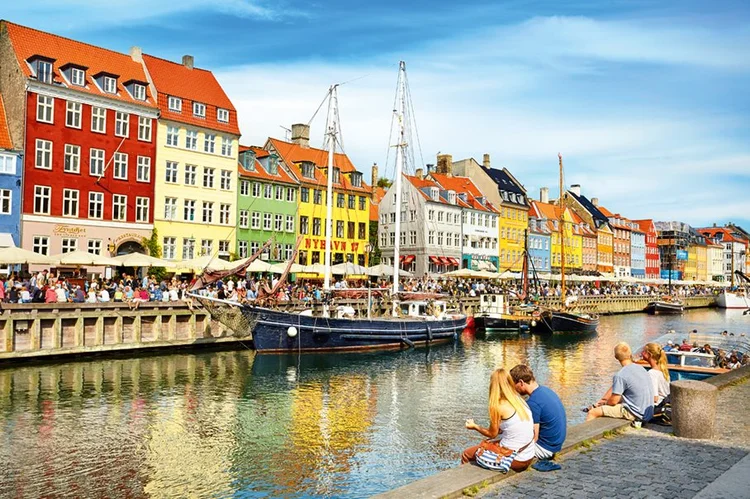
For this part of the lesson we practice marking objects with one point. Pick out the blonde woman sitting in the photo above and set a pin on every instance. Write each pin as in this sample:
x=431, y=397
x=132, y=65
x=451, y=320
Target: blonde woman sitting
x=510, y=419
x=659, y=373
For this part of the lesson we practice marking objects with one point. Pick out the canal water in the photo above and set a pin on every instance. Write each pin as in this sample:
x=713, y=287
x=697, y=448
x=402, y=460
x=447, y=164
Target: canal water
x=234, y=424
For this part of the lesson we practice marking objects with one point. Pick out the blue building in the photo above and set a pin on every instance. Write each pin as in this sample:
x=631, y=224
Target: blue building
x=539, y=244
x=637, y=253
x=11, y=170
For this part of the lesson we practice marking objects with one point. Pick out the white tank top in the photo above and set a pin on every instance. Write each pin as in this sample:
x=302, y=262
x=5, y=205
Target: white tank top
x=516, y=433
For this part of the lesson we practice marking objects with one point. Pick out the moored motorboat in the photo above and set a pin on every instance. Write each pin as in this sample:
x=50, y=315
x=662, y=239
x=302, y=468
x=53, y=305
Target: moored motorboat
x=733, y=299
x=494, y=316
x=556, y=321
x=665, y=306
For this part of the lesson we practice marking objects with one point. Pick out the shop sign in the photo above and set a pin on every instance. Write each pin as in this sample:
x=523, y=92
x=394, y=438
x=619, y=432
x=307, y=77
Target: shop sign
x=127, y=236
x=320, y=244
x=68, y=230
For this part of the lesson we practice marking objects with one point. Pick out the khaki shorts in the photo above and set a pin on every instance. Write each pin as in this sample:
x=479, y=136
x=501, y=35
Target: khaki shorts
x=618, y=411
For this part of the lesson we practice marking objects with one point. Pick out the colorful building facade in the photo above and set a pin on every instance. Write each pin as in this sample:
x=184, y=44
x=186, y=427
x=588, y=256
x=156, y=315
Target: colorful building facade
x=539, y=243
x=637, y=252
x=266, y=206
x=621, y=232
x=11, y=167
x=196, y=161
x=573, y=244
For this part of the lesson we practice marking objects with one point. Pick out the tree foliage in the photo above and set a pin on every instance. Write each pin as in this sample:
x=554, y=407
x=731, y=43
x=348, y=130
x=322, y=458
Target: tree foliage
x=154, y=249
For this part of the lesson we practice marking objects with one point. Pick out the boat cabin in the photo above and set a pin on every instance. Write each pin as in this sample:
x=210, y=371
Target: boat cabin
x=690, y=359
x=435, y=309
x=492, y=304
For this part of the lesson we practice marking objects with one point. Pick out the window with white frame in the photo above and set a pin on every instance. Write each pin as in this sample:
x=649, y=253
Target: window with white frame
x=77, y=77
x=223, y=247
x=188, y=211
x=40, y=245
x=191, y=140
x=256, y=189
x=119, y=207
x=171, y=172
x=290, y=223
x=70, y=203
x=242, y=249
x=208, y=178
x=256, y=220
x=222, y=115
x=207, y=246
x=209, y=143
x=96, y=205
x=169, y=247
x=226, y=146
x=139, y=91
x=304, y=225
x=278, y=222
x=339, y=228
x=316, y=226
x=392, y=238
x=413, y=237
x=173, y=135
x=98, y=119
x=141, y=209
x=42, y=195
x=225, y=181
x=72, y=162
x=208, y=212
x=199, y=110
x=96, y=162
x=191, y=172
x=144, y=128
x=431, y=237
x=266, y=221
x=45, y=109
x=120, y=166
x=73, y=114
x=244, y=219
x=244, y=188
x=110, y=85
x=224, y=210
x=6, y=201
x=143, y=172
x=291, y=195
x=279, y=193
x=43, y=154
x=174, y=104
x=69, y=244
x=44, y=71
x=383, y=239
x=188, y=248
x=95, y=246
x=267, y=191
x=170, y=208
x=122, y=123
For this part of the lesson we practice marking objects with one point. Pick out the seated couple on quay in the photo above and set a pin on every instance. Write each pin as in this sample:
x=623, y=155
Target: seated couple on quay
x=531, y=428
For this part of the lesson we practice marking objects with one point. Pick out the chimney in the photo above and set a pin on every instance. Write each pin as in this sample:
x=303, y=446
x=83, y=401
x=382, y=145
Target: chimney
x=575, y=189
x=445, y=164
x=420, y=173
x=714, y=224
x=595, y=201
x=188, y=61
x=136, y=54
x=374, y=176
x=544, y=194
x=486, y=160
x=301, y=135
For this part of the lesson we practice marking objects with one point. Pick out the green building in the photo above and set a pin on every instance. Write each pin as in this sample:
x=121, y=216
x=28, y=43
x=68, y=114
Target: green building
x=266, y=205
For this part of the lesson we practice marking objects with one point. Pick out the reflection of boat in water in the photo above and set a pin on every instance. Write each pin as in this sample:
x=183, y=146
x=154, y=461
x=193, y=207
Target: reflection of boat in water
x=667, y=305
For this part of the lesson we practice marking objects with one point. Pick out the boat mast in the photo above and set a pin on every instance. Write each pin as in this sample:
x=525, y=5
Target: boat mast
x=731, y=273
x=400, y=145
x=561, y=229
x=331, y=132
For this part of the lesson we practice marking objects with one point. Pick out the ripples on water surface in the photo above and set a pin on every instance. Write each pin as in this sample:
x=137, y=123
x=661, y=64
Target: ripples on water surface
x=235, y=424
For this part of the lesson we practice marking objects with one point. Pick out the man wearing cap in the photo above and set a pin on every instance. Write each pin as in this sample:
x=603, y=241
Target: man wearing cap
x=669, y=347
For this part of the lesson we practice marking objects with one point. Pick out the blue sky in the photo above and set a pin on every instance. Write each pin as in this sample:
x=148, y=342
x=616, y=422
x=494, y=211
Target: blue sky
x=647, y=101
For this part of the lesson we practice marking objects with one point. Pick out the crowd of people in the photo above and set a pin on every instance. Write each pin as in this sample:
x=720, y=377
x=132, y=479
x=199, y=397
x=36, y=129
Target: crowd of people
x=726, y=360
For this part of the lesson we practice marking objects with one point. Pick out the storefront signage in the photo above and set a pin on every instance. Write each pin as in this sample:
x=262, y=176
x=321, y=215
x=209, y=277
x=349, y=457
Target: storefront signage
x=68, y=230
x=320, y=244
x=128, y=236
x=682, y=255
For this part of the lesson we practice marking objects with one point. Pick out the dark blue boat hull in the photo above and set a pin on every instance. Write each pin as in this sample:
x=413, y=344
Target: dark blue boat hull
x=565, y=322
x=277, y=331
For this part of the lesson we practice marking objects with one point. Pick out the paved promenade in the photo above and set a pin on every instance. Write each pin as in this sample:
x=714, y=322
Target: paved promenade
x=650, y=462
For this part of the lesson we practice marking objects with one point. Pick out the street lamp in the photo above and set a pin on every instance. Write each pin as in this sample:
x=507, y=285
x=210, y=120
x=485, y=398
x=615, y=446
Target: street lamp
x=368, y=250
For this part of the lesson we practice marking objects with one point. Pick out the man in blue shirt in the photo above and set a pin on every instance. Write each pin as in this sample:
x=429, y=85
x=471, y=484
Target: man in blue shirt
x=550, y=421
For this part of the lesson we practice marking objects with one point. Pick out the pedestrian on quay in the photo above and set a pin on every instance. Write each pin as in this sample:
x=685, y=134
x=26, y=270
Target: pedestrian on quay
x=510, y=418
x=631, y=396
x=548, y=414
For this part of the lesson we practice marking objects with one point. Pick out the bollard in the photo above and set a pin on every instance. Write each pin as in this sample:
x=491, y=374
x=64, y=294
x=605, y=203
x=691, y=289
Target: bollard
x=693, y=408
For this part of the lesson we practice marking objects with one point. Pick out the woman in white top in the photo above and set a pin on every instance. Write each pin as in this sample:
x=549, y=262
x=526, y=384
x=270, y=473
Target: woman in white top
x=659, y=374
x=510, y=418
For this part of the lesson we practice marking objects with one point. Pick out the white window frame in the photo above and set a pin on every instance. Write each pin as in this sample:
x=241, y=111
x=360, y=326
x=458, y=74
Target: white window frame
x=98, y=117
x=191, y=140
x=139, y=91
x=6, y=201
x=173, y=136
x=169, y=246
x=242, y=249
x=207, y=216
x=72, y=159
x=188, y=248
x=68, y=244
x=226, y=146
x=43, y=71
x=78, y=77
x=122, y=124
x=45, y=147
x=143, y=169
x=244, y=221
x=71, y=198
x=174, y=104
x=109, y=85
x=208, y=177
x=278, y=222
x=170, y=208
x=255, y=220
x=119, y=207
x=188, y=208
x=244, y=187
x=40, y=245
x=142, y=206
x=191, y=174
x=209, y=143
x=222, y=115
x=267, y=221
x=96, y=200
x=45, y=106
x=120, y=166
x=225, y=213
x=144, y=128
x=290, y=223
x=43, y=192
x=73, y=114
x=199, y=110
x=171, y=172
x=95, y=245
x=225, y=180
x=96, y=163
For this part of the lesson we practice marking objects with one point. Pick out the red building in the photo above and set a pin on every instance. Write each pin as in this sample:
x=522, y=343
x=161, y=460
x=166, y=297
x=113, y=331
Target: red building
x=90, y=145
x=653, y=262
x=621, y=231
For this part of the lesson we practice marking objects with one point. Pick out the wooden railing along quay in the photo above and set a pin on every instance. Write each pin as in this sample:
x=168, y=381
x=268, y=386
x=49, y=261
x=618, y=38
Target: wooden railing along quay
x=33, y=331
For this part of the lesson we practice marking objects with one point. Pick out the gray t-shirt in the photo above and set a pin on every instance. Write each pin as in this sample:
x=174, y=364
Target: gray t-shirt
x=635, y=387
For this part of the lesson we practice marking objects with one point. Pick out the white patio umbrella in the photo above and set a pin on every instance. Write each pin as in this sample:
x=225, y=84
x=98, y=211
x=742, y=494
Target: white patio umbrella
x=206, y=262
x=141, y=260
x=279, y=268
x=386, y=270
x=260, y=266
x=315, y=268
x=82, y=258
x=348, y=268
x=13, y=255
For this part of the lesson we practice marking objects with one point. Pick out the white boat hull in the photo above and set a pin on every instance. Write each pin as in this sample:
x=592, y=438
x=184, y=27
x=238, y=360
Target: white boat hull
x=730, y=299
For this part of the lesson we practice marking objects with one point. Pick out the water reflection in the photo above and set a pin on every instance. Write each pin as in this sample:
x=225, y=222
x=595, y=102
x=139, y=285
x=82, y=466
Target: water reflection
x=231, y=423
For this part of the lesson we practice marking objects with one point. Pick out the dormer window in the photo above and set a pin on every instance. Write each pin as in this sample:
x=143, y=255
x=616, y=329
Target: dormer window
x=44, y=71
x=174, y=104
x=139, y=91
x=248, y=160
x=451, y=197
x=110, y=85
x=462, y=196
x=336, y=175
x=273, y=164
x=434, y=194
x=222, y=115
x=77, y=77
x=308, y=170
x=505, y=196
x=357, y=179
x=199, y=110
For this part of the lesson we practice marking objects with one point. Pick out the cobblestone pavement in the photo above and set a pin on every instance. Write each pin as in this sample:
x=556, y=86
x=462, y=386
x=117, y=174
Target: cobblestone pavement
x=646, y=462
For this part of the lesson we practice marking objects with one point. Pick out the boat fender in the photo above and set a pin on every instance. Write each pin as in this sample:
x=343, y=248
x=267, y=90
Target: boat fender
x=291, y=332
x=429, y=334
x=407, y=341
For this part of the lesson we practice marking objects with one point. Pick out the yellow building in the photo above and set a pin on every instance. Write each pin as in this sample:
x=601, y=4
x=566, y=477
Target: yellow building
x=573, y=237
x=605, y=253
x=513, y=223
x=195, y=191
x=701, y=262
x=351, y=204
x=691, y=266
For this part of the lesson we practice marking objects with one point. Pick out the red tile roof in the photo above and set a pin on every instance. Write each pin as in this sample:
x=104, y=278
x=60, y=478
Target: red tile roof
x=28, y=42
x=726, y=234
x=261, y=173
x=466, y=186
x=5, y=142
x=191, y=85
x=377, y=197
x=646, y=226
x=545, y=210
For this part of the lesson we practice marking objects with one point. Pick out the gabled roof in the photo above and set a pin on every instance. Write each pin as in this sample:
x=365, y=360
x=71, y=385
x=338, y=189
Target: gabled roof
x=294, y=153
x=377, y=197
x=191, y=85
x=626, y=223
x=260, y=173
x=646, y=226
x=597, y=215
x=724, y=233
x=463, y=185
x=5, y=142
x=28, y=42
x=544, y=210
x=421, y=183
x=506, y=182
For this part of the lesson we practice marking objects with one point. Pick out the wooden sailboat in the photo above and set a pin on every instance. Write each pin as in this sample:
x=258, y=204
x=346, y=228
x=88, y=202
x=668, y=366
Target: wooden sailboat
x=564, y=319
x=669, y=304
